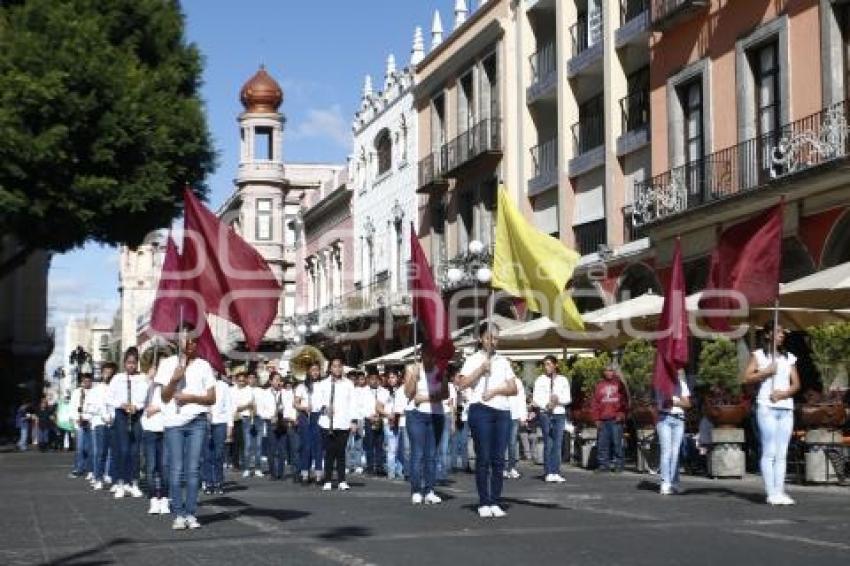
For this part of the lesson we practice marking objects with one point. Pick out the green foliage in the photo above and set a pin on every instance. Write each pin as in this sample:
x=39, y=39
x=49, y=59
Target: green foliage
x=637, y=366
x=101, y=125
x=587, y=371
x=718, y=367
x=830, y=346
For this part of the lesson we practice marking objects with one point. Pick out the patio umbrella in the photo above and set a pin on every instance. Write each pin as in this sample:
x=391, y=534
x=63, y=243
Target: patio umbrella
x=827, y=289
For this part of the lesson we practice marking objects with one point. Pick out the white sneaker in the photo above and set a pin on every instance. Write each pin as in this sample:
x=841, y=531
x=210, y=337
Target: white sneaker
x=416, y=499
x=514, y=474
x=784, y=499
x=164, y=506
x=179, y=524
x=97, y=486
x=192, y=522
x=135, y=491
x=558, y=478
x=258, y=473
x=154, y=508
x=485, y=512
x=89, y=476
x=665, y=489
x=358, y=470
x=432, y=498
x=550, y=478
x=107, y=479
x=246, y=474
x=120, y=491
x=305, y=477
x=114, y=488
x=773, y=500
x=328, y=486
x=497, y=512
x=506, y=474
x=343, y=486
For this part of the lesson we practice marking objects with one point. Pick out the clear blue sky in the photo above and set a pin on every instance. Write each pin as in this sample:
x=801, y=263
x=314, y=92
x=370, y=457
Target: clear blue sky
x=319, y=51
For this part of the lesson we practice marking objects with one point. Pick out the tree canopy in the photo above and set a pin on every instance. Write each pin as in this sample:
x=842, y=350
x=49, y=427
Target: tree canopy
x=101, y=123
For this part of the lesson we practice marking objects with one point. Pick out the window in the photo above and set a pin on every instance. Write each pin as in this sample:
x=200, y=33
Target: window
x=264, y=219
x=466, y=103
x=690, y=95
x=765, y=64
x=844, y=19
x=384, y=149
x=438, y=240
x=263, y=143
x=465, y=220
x=490, y=88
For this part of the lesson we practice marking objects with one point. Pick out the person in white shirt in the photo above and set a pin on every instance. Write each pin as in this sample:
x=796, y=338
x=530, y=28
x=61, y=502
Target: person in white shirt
x=246, y=408
x=490, y=378
x=373, y=438
x=392, y=430
x=153, y=439
x=335, y=399
x=82, y=428
x=519, y=416
x=187, y=394
x=671, y=428
x=281, y=426
x=265, y=413
x=400, y=406
x=104, y=455
x=95, y=407
x=550, y=397
x=774, y=369
x=460, y=440
x=221, y=428
x=311, y=455
x=354, y=452
x=127, y=392
x=426, y=385
x=443, y=462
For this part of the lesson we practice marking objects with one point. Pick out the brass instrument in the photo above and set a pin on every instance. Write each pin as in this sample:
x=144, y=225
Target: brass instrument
x=303, y=358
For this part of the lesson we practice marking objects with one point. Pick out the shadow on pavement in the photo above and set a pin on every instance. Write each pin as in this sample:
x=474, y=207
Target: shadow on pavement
x=341, y=534
x=77, y=558
x=721, y=491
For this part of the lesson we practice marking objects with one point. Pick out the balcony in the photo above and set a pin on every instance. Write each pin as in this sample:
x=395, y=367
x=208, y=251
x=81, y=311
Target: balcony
x=634, y=23
x=589, y=236
x=587, y=49
x=482, y=140
x=664, y=14
x=785, y=159
x=366, y=302
x=631, y=233
x=588, y=138
x=634, y=113
x=544, y=158
x=431, y=171
x=544, y=74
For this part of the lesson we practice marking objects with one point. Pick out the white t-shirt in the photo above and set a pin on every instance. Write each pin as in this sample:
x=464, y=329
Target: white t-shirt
x=450, y=403
x=119, y=393
x=401, y=405
x=156, y=422
x=284, y=401
x=265, y=402
x=683, y=391
x=77, y=402
x=244, y=396
x=429, y=384
x=543, y=387
x=197, y=380
x=343, y=403
x=301, y=392
x=500, y=373
x=371, y=398
x=519, y=410
x=222, y=411
x=95, y=404
x=780, y=380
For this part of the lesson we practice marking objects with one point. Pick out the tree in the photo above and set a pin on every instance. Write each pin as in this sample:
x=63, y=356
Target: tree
x=101, y=125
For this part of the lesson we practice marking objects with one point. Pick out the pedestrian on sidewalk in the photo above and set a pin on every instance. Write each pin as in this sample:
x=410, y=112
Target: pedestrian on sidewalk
x=610, y=405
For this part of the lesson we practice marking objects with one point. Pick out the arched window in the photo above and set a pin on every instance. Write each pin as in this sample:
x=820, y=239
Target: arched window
x=384, y=149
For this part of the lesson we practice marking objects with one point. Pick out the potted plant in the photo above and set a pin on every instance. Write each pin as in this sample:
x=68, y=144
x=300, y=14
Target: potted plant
x=719, y=377
x=586, y=372
x=637, y=366
x=830, y=346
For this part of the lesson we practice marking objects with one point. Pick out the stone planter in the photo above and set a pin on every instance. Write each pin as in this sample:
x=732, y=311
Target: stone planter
x=586, y=440
x=645, y=416
x=819, y=442
x=726, y=416
x=828, y=415
x=726, y=453
x=648, y=458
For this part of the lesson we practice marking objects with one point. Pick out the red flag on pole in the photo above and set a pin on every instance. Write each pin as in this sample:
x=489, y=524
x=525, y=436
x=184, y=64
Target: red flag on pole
x=746, y=260
x=234, y=280
x=671, y=350
x=428, y=304
x=172, y=294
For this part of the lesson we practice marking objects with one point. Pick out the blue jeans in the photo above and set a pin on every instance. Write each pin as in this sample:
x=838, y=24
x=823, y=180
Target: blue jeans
x=404, y=450
x=24, y=430
x=775, y=428
x=83, y=454
x=184, y=444
x=552, y=427
x=154, y=446
x=489, y=428
x=513, y=444
x=354, y=449
x=373, y=445
x=251, y=438
x=425, y=431
x=460, y=446
x=283, y=445
x=213, y=469
x=127, y=433
x=100, y=447
x=670, y=432
x=443, y=464
x=394, y=443
x=610, y=433
x=311, y=442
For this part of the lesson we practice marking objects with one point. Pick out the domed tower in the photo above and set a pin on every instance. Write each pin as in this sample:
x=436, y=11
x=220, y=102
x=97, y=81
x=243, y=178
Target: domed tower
x=261, y=131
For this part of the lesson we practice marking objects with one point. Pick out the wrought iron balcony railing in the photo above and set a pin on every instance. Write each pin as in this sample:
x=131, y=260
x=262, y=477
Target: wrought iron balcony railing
x=589, y=236
x=544, y=159
x=433, y=167
x=664, y=13
x=483, y=137
x=634, y=109
x=544, y=65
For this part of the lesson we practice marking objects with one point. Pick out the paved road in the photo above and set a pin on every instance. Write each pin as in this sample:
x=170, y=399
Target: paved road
x=46, y=518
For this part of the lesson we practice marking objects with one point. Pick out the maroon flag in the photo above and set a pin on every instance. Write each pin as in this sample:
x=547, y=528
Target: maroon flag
x=428, y=304
x=746, y=260
x=174, y=302
x=671, y=350
x=234, y=280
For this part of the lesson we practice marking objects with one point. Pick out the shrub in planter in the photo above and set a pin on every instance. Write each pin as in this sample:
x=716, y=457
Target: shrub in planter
x=637, y=365
x=830, y=345
x=586, y=372
x=719, y=376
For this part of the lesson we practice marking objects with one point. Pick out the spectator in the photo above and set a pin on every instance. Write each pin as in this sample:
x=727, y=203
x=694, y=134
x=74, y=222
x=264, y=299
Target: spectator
x=610, y=405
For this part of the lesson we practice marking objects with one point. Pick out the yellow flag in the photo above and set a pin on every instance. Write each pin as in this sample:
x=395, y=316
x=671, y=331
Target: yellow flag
x=533, y=265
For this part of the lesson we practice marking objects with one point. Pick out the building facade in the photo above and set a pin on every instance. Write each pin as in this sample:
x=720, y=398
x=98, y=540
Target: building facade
x=138, y=279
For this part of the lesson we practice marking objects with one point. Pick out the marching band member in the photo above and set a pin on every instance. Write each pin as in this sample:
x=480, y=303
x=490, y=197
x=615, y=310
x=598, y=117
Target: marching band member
x=373, y=438
x=221, y=428
x=392, y=429
x=354, y=453
x=550, y=396
x=82, y=428
x=127, y=392
x=281, y=427
x=519, y=415
x=335, y=399
x=265, y=414
x=309, y=432
x=246, y=407
x=153, y=440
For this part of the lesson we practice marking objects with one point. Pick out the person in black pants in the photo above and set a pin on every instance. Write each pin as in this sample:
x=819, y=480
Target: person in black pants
x=336, y=402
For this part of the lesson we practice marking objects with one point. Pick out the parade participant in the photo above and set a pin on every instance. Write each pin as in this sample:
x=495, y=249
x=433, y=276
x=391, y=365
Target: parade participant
x=221, y=428
x=519, y=416
x=426, y=385
x=96, y=409
x=45, y=420
x=82, y=429
x=127, y=392
x=610, y=405
x=354, y=451
x=550, y=398
x=443, y=463
x=489, y=376
x=281, y=425
x=460, y=441
x=671, y=429
x=153, y=441
x=373, y=437
x=265, y=414
x=400, y=406
x=291, y=447
x=335, y=399
x=246, y=408
x=236, y=449
x=103, y=445
x=188, y=392
x=309, y=433
x=774, y=369
x=392, y=430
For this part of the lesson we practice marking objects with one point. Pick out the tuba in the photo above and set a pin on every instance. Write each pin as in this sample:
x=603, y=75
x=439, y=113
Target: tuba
x=303, y=358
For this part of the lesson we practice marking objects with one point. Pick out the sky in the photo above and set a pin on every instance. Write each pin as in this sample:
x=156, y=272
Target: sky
x=319, y=52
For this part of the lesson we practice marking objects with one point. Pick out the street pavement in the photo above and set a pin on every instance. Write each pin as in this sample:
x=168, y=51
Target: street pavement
x=46, y=518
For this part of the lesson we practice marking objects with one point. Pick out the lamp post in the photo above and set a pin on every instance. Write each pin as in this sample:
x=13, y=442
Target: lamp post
x=474, y=268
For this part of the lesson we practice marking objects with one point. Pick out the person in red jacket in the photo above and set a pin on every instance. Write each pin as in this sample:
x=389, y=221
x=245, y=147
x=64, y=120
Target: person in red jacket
x=610, y=405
